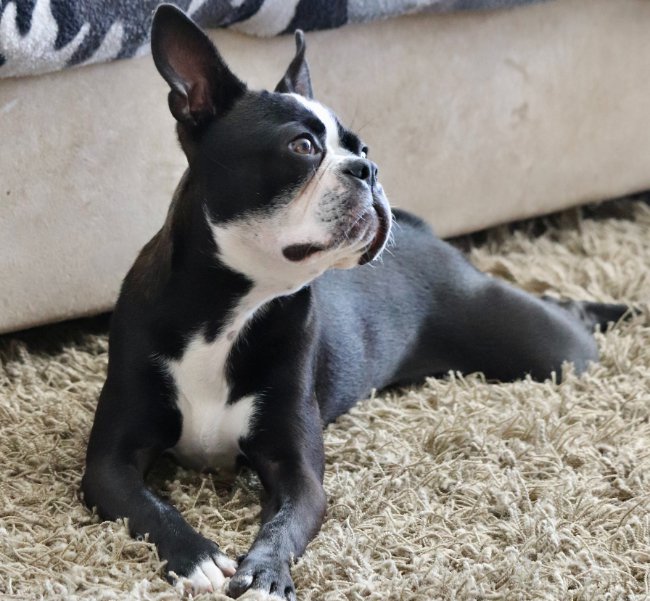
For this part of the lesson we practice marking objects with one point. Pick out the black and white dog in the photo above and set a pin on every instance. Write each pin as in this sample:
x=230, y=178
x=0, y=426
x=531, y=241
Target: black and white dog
x=234, y=340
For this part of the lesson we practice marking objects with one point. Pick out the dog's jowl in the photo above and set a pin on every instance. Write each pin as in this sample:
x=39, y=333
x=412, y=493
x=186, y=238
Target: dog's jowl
x=258, y=313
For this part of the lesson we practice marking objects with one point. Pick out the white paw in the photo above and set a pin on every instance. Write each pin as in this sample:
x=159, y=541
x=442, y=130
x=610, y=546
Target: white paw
x=209, y=575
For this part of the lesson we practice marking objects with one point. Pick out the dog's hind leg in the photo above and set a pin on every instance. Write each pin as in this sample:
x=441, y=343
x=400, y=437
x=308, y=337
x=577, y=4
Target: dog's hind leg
x=507, y=333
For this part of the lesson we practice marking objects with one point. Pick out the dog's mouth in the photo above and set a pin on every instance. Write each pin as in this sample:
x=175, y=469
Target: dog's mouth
x=300, y=252
x=383, y=218
x=372, y=227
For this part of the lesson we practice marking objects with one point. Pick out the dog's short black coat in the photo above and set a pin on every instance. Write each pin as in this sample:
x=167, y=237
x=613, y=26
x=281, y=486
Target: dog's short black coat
x=306, y=356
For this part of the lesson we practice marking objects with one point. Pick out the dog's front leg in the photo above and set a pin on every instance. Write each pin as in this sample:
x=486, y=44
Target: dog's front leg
x=117, y=489
x=292, y=515
x=117, y=459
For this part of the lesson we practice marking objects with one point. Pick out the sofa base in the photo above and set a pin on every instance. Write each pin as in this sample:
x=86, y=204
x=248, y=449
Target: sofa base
x=474, y=119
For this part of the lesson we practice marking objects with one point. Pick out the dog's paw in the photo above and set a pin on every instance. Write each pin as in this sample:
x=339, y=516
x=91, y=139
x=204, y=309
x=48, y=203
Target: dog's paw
x=206, y=573
x=209, y=575
x=262, y=578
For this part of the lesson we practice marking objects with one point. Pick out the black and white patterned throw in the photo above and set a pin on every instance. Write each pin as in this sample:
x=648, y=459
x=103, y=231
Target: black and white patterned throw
x=39, y=36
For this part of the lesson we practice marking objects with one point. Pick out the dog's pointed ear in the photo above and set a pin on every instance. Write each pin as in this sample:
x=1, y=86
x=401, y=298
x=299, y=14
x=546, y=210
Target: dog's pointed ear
x=202, y=85
x=297, y=79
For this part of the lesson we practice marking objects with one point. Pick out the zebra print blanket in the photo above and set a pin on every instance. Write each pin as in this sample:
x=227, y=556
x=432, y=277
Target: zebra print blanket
x=38, y=36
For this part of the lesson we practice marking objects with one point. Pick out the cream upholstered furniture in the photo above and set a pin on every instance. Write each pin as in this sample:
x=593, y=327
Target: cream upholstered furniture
x=474, y=119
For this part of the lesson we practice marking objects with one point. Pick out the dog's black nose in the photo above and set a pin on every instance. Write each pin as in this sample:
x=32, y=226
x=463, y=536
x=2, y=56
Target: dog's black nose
x=362, y=169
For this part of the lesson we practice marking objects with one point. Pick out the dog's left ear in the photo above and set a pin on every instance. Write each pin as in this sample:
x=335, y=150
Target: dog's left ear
x=202, y=85
x=296, y=79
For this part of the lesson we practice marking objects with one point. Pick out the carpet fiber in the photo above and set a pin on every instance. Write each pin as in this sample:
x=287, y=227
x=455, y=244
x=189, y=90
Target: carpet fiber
x=457, y=490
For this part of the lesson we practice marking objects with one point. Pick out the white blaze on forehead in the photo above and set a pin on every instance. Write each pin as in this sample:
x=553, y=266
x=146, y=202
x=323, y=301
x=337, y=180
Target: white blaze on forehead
x=324, y=114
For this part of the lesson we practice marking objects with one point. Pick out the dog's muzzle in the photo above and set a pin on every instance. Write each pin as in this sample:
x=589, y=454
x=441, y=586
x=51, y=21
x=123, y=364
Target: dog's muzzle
x=377, y=220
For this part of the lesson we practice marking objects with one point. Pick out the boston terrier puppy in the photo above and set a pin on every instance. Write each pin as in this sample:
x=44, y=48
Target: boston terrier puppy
x=259, y=313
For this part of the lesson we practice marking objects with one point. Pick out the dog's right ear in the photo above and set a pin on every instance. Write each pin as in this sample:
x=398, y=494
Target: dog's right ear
x=297, y=79
x=202, y=85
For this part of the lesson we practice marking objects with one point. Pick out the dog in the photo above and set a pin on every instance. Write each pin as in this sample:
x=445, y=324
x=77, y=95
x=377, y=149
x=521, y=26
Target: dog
x=259, y=313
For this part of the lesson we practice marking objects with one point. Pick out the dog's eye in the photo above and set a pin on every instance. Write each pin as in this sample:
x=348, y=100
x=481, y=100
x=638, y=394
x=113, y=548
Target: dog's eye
x=364, y=152
x=303, y=146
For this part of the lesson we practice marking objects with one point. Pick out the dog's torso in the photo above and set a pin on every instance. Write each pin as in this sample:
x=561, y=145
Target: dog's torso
x=348, y=332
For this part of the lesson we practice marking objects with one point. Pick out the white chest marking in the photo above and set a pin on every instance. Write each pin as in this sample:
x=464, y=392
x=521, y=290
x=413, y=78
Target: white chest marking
x=211, y=429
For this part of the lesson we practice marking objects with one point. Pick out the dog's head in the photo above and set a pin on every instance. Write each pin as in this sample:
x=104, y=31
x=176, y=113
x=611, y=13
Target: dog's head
x=287, y=190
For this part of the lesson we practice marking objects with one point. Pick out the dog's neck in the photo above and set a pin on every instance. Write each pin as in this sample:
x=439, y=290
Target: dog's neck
x=185, y=259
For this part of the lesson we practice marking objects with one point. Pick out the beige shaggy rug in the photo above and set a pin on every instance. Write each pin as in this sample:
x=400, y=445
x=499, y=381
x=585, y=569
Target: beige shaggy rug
x=457, y=490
